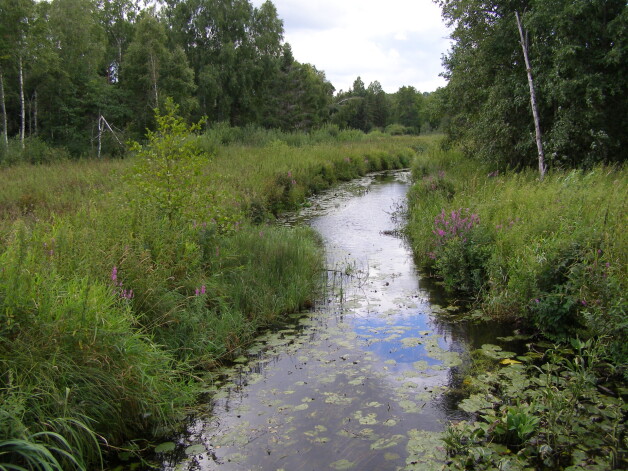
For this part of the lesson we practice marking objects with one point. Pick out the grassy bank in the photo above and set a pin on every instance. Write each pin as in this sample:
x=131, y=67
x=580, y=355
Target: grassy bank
x=551, y=256
x=111, y=305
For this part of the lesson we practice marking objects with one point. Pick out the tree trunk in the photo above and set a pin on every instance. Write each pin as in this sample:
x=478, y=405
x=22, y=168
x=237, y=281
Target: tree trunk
x=35, y=112
x=535, y=109
x=22, y=103
x=153, y=72
x=100, y=118
x=4, y=113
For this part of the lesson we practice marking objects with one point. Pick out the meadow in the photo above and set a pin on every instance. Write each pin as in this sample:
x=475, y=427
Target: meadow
x=124, y=282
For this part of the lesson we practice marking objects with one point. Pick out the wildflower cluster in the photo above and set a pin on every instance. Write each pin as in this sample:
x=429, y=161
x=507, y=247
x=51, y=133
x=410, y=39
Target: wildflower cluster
x=456, y=224
x=201, y=290
x=118, y=287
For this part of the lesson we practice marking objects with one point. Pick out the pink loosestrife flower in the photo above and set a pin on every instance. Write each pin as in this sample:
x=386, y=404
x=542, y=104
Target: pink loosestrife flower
x=455, y=224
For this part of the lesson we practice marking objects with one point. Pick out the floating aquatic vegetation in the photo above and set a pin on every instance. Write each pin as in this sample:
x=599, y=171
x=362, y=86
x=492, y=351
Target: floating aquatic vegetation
x=342, y=464
x=387, y=442
x=495, y=352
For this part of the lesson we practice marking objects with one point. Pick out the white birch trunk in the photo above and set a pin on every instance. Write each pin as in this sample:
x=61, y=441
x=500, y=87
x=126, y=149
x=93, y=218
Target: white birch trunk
x=22, y=103
x=5, y=131
x=535, y=109
x=153, y=71
x=100, y=118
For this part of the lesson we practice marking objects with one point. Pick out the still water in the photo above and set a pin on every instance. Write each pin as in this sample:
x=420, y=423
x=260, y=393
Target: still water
x=359, y=383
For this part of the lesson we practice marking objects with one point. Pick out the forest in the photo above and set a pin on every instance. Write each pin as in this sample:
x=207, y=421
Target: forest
x=83, y=77
x=147, y=151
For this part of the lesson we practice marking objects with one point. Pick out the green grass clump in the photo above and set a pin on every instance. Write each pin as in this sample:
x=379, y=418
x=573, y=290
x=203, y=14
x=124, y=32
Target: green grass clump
x=551, y=252
x=109, y=303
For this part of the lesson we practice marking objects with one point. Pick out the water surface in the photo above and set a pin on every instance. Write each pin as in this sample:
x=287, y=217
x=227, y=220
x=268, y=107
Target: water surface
x=361, y=382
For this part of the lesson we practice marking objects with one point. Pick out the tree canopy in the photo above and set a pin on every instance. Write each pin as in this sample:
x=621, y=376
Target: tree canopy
x=69, y=66
x=578, y=57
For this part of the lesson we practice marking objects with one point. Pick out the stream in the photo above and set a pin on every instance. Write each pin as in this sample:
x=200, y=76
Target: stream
x=362, y=381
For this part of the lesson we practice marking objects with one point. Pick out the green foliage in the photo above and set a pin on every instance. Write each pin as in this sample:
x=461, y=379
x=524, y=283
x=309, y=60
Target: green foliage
x=169, y=167
x=105, y=310
x=552, y=253
x=35, y=151
x=580, y=86
x=461, y=261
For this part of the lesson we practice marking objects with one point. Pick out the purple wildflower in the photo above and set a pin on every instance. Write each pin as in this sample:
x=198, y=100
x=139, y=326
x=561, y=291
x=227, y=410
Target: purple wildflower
x=114, y=273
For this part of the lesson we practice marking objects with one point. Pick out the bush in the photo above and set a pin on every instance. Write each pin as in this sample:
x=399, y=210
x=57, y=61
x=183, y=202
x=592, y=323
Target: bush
x=35, y=152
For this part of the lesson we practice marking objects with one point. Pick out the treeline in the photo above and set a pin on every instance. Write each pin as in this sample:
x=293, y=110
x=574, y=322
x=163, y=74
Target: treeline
x=66, y=64
x=407, y=111
x=84, y=76
x=578, y=55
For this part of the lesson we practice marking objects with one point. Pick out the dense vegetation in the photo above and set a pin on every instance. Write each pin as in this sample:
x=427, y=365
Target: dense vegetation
x=550, y=256
x=547, y=253
x=578, y=57
x=122, y=279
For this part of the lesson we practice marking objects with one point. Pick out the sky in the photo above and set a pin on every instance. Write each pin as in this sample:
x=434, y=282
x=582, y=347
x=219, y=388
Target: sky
x=396, y=42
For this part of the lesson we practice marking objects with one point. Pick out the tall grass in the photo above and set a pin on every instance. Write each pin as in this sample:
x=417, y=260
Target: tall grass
x=107, y=307
x=551, y=252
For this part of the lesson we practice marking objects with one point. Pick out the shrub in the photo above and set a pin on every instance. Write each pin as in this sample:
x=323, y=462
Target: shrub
x=169, y=167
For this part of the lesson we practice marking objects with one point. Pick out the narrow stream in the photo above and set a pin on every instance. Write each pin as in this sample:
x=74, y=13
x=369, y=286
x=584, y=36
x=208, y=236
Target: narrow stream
x=360, y=383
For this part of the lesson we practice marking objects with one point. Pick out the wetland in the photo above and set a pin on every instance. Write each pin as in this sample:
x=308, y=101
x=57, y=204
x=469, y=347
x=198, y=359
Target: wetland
x=360, y=382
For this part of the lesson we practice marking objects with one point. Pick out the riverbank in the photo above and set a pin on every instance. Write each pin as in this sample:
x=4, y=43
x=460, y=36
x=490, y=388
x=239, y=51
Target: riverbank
x=110, y=307
x=551, y=257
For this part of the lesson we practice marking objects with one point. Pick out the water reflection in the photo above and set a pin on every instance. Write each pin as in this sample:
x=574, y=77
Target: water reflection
x=359, y=383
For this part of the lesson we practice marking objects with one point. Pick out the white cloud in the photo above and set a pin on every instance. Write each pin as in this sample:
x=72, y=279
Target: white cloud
x=397, y=42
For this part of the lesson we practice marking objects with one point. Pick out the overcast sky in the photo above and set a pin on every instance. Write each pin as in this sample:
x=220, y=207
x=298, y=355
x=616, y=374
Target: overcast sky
x=397, y=42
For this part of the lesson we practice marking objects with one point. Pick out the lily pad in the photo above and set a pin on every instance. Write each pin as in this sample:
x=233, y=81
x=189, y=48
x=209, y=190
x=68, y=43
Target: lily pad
x=342, y=464
x=384, y=443
x=475, y=403
x=167, y=447
x=495, y=352
x=195, y=450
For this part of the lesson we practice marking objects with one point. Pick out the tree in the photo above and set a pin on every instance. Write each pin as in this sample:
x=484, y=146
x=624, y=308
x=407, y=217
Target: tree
x=407, y=108
x=152, y=72
x=234, y=50
x=377, y=105
x=533, y=103
x=72, y=86
x=116, y=18
x=578, y=55
x=169, y=166
x=16, y=19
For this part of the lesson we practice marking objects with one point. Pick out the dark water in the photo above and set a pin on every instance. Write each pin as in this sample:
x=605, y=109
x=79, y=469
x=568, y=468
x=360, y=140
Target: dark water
x=361, y=383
